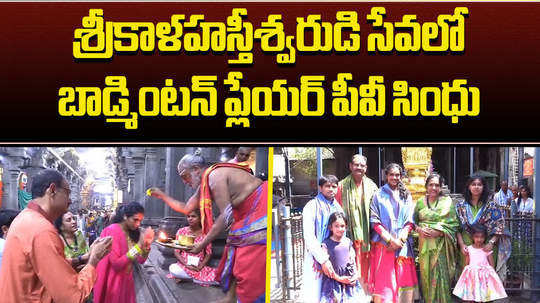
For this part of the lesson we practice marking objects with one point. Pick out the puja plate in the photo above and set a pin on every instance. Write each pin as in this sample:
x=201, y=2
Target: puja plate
x=172, y=245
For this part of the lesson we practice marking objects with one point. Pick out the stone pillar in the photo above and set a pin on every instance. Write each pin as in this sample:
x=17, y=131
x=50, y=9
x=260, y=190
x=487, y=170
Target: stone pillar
x=12, y=188
x=15, y=159
x=137, y=185
x=173, y=183
x=130, y=180
x=152, y=174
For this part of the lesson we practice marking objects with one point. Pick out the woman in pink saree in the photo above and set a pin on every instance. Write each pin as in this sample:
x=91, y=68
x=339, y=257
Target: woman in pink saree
x=115, y=271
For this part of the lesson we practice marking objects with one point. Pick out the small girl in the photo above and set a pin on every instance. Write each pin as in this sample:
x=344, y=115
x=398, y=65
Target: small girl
x=344, y=286
x=479, y=282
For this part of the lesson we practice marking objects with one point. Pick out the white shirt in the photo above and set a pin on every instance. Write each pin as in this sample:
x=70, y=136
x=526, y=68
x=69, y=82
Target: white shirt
x=526, y=206
x=502, y=198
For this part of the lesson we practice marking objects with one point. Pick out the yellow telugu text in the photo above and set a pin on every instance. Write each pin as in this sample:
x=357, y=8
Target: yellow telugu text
x=241, y=103
x=100, y=39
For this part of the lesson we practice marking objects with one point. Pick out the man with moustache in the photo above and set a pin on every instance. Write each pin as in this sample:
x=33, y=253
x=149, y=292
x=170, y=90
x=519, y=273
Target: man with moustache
x=34, y=268
x=354, y=194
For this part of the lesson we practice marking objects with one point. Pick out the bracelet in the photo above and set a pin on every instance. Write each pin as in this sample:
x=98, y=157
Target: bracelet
x=133, y=252
x=139, y=250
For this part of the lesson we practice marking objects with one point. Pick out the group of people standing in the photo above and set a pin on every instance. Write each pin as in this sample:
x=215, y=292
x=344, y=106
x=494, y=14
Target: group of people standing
x=517, y=199
x=45, y=258
x=378, y=261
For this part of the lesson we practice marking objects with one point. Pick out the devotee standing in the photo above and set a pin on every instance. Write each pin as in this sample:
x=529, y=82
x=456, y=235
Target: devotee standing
x=515, y=196
x=34, y=268
x=115, y=282
x=75, y=247
x=504, y=197
x=354, y=194
x=344, y=286
x=437, y=225
x=525, y=203
x=235, y=190
x=81, y=222
x=478, y=208
x=392, y=271
x=315, y=218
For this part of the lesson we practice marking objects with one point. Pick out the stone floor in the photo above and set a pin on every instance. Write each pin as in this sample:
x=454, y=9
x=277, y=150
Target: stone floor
x=152, y=285
x=276, y=293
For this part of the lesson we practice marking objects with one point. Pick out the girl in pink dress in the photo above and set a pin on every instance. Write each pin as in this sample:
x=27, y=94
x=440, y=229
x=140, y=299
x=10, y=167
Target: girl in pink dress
x=479, y=282
x=193, y=266
x=115, y=271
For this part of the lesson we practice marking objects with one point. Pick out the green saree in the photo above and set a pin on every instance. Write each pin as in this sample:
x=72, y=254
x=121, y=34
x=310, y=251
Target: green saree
x=437, y=256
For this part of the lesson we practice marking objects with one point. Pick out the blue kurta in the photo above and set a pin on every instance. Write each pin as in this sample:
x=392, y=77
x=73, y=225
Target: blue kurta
x=315, y=218
x=393, y=214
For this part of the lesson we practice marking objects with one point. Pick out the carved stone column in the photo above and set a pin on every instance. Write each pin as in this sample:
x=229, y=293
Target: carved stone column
x=15, y=159
x=152, y=173
x=138, y=181
x=173, y=184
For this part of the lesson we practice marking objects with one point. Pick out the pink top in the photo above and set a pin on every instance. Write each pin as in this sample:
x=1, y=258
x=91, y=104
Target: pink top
x=207, y=273
x=478, y=257
x=115, y=271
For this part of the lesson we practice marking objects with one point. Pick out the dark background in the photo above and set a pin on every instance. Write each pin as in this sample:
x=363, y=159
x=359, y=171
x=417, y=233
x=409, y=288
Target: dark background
x=501, y=58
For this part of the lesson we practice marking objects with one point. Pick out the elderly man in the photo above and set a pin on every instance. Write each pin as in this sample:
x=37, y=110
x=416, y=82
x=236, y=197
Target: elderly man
x=235, y=190
x=34, y=268
x=504, y=197
x=315, y=216
x=354, y=194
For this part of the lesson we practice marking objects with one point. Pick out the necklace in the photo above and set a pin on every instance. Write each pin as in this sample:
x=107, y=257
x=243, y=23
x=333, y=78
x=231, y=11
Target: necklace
x=428, y=204
x=130, y=242
x=75, y=248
